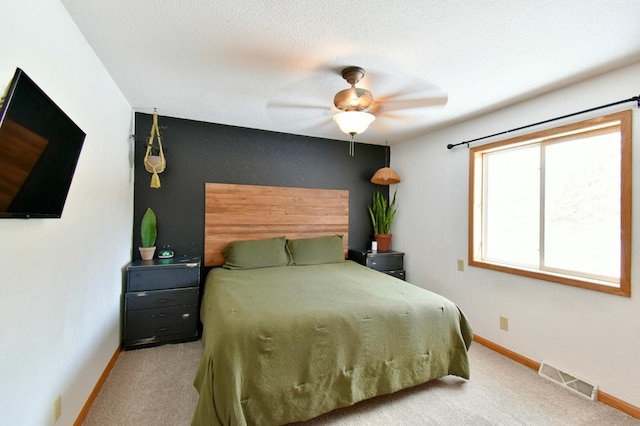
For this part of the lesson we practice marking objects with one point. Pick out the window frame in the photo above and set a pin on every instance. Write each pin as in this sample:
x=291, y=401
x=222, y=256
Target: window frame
x=476, y=189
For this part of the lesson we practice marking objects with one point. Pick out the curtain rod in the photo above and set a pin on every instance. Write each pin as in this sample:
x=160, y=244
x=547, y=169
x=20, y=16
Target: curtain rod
x=634, y=99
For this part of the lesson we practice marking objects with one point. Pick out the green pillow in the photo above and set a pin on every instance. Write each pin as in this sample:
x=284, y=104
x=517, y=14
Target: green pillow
x=251, y=254
x=315, y=251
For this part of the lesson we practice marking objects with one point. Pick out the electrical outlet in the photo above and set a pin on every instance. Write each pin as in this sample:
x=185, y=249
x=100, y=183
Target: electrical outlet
x=504, y=323
x=57, y=408
x=460, y=265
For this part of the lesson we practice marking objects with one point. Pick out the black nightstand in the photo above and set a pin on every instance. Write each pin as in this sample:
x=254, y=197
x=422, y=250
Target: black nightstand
x=390, y=262
x=161, y=302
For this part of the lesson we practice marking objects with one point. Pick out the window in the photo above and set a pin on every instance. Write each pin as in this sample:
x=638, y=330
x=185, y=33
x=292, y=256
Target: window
x=556, y=205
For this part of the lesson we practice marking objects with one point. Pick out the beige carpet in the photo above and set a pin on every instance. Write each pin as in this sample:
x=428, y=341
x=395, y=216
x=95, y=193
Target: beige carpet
x=154, y=387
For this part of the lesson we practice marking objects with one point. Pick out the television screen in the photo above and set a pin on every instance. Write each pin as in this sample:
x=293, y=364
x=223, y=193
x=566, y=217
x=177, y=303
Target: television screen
x=39, y=150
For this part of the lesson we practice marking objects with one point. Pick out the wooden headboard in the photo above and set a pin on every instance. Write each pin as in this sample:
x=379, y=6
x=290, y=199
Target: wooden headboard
x=247, y=212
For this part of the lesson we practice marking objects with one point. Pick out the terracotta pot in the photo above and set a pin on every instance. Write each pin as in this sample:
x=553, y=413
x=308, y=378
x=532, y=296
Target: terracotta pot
x=146, y=253
x=384, y=242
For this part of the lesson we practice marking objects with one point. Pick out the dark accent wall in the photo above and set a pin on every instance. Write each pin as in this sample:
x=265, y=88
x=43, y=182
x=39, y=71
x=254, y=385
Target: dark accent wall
x=199, y=152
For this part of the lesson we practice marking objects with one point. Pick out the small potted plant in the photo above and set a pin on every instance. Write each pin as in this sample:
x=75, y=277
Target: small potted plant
x=148, y=232
x=382, y=214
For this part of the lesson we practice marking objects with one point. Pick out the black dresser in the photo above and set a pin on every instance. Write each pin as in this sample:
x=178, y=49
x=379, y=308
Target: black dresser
x=390, y=262
x=161, y=302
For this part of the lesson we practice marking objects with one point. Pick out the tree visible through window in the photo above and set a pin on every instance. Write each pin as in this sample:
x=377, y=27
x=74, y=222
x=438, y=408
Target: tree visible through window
x=556, y=204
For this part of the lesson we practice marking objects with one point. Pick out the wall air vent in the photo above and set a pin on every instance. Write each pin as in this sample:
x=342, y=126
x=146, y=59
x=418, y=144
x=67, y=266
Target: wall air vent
x=580, y=386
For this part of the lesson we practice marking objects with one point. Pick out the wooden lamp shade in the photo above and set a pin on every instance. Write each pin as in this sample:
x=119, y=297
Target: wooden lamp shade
x=385, y=176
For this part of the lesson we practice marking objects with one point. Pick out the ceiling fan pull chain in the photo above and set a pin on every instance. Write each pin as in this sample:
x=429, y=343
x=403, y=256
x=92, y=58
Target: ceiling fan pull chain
x=352, y=147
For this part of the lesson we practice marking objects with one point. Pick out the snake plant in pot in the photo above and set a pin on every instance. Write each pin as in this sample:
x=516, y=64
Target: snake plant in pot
x=382, y=213
x=148, y=232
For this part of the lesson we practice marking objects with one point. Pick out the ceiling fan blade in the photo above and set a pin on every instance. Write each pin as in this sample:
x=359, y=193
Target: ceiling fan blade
x=393, y=120
x=296, y=106
x=390, y=115
x=405, y=104
x=307, y=116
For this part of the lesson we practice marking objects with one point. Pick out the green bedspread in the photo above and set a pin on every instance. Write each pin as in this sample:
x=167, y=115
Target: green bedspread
x=289, y=343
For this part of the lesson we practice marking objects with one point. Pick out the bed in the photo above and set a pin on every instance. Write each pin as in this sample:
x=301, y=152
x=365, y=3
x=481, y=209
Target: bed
x=292, y=329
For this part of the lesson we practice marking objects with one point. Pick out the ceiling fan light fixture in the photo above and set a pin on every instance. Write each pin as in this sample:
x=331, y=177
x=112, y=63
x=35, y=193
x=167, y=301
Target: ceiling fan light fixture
x=353, y=122
x=385, y=176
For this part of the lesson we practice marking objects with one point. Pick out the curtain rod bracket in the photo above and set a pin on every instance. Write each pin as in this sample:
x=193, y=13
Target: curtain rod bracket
x=461, y=143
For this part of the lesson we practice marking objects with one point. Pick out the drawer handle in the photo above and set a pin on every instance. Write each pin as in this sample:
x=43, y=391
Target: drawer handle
x=185, y=315
x=164, y=300
x=161, y=315
x=162, y=329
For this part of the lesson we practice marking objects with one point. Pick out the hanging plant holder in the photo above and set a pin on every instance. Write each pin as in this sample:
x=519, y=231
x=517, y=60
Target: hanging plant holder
x=154, y=163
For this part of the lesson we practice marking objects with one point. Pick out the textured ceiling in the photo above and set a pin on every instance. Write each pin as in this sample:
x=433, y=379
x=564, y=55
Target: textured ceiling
x=275, y=65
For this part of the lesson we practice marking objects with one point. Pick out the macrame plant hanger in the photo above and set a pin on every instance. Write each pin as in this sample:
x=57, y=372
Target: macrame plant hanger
x=154, y=164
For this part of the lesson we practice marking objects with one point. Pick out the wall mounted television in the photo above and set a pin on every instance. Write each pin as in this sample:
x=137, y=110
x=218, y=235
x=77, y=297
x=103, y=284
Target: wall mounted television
x=39, y=150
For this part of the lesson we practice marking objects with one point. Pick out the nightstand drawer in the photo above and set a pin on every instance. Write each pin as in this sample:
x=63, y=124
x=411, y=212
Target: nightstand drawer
x=397, y=273
x=161, y=278
x=161, y=298
x=380, y=261
x=386, y=262
x=146, y=323
x=390, y=262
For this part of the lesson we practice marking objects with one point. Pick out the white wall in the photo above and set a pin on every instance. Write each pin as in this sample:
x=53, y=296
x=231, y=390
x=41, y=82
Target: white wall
x=594, y=335
x=61, y=279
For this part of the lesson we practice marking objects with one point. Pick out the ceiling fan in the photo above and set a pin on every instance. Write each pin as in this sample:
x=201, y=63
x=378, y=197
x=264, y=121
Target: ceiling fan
x=359, y=99
x=358, y=108
x=401, y=106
